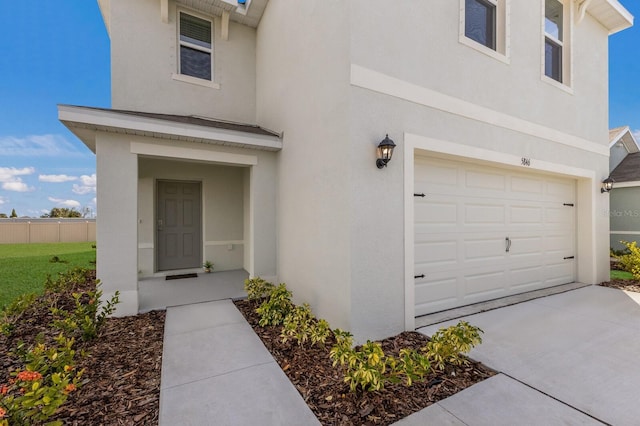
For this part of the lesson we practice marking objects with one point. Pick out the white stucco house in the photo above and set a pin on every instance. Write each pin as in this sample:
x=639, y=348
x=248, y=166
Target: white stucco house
x=624, y=207
x=254, y=125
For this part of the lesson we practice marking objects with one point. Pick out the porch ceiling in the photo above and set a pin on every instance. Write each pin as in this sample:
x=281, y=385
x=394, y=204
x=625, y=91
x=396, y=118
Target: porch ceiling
x=84, y=122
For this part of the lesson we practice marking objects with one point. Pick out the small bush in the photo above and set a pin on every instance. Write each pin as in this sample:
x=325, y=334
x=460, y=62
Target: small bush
x=368, y=368
x=257, y=288
x=11, y=313
x=276, y=308
x=66, y=280
x=88, y=315
x=448, y=344
x=35, y=393
x=630, y=262
x=302, y=326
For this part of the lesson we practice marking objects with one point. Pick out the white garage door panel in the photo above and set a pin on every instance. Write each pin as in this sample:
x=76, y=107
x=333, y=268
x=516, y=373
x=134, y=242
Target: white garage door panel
x=462, y=223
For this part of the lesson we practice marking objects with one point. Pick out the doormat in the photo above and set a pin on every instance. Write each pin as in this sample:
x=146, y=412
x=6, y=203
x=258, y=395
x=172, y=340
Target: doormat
x=179, y=277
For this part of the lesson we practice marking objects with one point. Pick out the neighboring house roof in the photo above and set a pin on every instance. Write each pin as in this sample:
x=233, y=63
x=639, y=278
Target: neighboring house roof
x=628, y=170
x=623, y=135
x=85, y=121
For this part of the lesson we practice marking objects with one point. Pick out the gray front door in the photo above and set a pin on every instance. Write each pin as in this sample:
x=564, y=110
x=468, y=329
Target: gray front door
x=179, y=225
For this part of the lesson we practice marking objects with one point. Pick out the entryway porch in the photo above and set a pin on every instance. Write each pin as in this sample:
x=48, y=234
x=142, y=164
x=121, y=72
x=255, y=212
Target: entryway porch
x=159, y=293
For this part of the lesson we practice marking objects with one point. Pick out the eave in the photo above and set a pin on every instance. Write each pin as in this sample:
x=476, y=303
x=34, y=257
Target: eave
x=610, y=13
x=85, y=122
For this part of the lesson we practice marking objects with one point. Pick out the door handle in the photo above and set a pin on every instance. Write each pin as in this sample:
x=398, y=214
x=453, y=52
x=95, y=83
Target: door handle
x=508, y=244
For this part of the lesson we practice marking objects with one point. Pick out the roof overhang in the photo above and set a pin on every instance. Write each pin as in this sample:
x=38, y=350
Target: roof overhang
x=86, y=122
x=625, y=137
x=609, y=13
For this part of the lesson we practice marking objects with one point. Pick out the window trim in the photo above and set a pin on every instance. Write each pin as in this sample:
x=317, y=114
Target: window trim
x=502, y=51
x=566, y=62
x=189, y=78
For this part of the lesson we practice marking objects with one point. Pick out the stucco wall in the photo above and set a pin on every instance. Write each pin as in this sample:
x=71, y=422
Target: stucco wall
x=413, y=43
x=116, y=236
x=625, y=216
x=223, y=209
x=332, y=195
x=142, y=70
x=302, y=90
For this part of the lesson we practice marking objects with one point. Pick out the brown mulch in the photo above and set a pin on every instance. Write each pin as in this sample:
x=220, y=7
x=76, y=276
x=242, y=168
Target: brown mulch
x=629, y=285
x=121, y=382
x=322, y=386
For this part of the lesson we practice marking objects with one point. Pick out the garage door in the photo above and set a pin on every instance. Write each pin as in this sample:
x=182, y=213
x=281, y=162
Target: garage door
x=483, y=233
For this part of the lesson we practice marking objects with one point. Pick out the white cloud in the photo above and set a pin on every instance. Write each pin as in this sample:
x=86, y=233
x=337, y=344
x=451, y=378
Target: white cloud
x=73, y=204
x=87, y=185
x=56, y=178
x=11, y=180
x=17, y=186
x=37, y=145
x=3, y=200
x=636, y=134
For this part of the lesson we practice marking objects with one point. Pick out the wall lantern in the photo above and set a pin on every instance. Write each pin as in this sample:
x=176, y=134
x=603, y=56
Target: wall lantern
x=607, y=185
x=385, y=151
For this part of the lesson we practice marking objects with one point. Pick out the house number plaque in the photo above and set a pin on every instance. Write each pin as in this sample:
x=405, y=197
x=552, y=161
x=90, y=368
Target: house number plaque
x=525, y=161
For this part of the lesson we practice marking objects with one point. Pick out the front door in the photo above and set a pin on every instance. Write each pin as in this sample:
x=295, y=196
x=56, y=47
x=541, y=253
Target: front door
x=179, y=233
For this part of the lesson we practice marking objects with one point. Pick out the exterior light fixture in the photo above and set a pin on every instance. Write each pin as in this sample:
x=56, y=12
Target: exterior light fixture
x=385, y=151
x=607, y=185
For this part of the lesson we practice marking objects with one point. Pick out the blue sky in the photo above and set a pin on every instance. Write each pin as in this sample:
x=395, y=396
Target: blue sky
x=57, y=52
x=52, y=52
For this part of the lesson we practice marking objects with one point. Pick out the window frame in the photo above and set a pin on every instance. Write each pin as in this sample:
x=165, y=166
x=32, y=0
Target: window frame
x=502, y=50
x=563, y=42
x=210, y=51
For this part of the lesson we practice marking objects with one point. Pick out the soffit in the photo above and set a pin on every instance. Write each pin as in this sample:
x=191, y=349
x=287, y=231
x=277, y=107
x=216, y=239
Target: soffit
x=610, y=13
x=249, y=15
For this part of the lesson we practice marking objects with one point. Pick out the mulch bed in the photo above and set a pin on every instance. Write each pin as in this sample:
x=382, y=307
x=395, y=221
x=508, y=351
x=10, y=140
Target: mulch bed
x=322, y=386
x=628, y=285
x=121, y=382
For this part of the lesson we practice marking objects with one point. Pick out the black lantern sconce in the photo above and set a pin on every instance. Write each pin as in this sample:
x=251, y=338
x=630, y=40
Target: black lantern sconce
x=385, y=151
x=607, y=185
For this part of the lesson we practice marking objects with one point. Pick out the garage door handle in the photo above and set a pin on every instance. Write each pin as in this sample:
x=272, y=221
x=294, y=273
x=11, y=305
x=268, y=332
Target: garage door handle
x=418, y=276
x=419, y=195
x=508, y=241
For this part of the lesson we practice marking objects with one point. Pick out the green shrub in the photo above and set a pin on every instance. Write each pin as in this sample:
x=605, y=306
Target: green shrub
x=302, y=326
x=447, y=344
x=257, y=288
x=630, y=262
x=35, y=393
x=66, y=280
x=88, y=315
x=368, y=368
x=11, y=313
x=276, y=308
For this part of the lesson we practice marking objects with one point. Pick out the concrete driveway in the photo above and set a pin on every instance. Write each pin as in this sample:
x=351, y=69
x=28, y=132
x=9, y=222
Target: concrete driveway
x=580, y=348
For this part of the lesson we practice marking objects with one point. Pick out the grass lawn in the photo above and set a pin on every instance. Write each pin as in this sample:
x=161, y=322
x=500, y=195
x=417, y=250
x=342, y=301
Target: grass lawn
x=621, y=275
x=24, y=267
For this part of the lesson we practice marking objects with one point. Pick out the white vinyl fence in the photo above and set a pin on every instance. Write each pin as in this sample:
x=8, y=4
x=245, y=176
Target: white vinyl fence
x=63, y=230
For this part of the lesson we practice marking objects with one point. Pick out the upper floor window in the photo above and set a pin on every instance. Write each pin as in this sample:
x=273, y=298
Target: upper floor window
x=484, y=26
x=480, y=22
x=553, y=39
x=196, y=46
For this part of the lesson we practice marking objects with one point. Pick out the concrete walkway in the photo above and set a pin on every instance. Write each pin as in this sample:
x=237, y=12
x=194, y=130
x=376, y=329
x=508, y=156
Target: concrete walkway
x=216, y=371
x=567, y=359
